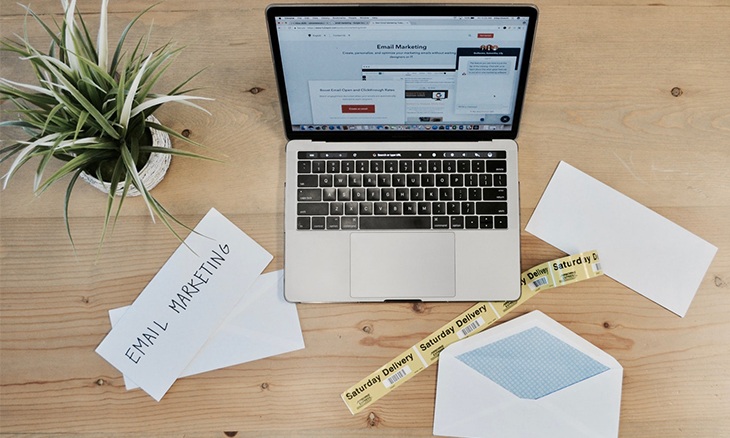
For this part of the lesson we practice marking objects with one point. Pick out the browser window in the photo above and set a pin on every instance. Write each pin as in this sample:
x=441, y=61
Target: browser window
x=403, y=73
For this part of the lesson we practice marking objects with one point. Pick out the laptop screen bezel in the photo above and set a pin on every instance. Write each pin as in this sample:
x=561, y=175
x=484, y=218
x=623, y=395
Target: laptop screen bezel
x=274, y=11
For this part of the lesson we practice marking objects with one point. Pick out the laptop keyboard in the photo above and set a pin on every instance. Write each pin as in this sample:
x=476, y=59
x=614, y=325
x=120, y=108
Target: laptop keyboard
x=401, y=190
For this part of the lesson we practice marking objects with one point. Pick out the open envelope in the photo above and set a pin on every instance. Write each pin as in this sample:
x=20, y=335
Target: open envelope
x=527, y=377
x=261, y=325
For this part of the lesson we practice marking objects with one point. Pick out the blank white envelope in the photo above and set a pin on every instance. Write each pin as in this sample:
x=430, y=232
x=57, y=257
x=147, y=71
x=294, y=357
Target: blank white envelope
x=527, y=377
x=639, y=248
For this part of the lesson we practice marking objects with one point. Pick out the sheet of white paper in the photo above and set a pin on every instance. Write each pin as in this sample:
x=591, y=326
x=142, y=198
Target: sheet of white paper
x=262, y=324
x=527, y=377
x=639, y=248
x=181, y=307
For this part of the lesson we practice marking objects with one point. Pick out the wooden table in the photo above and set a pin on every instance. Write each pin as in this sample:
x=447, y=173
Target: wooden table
x=635, y=94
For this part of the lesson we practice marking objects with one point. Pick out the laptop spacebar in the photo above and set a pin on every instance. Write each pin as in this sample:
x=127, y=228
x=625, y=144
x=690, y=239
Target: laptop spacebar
x=394, y=222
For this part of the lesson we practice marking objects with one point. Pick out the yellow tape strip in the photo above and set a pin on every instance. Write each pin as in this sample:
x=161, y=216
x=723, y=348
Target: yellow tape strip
x=403, y=367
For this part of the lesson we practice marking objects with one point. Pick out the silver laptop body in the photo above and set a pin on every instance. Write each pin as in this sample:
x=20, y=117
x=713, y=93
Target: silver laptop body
x=401, y=165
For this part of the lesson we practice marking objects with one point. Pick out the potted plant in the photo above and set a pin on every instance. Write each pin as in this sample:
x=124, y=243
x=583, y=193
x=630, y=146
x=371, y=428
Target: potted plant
x=92, y=108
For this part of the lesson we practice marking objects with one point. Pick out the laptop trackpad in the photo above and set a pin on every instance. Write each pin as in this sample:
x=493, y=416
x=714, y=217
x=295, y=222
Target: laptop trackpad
x=402, y=265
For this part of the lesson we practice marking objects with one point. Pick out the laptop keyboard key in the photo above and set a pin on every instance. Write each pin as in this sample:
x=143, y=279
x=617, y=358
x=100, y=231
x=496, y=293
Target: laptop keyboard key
x=309, y=195
x=394, y=223
x=350, y=208
x=318, y=223
x=329, y=194
x=307, y=181
x=494, y=166
x=366, y=208
x=496, y=194
x=348, y=223
x=440, y=222
x=333, y=223
x=318, y=166
x=336, y=208
x=303, y=223
x=491, y=208
x=313, y=208
x=304, y=166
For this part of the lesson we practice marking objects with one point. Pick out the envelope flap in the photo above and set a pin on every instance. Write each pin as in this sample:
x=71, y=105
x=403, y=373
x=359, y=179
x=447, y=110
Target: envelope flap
x=518, y=325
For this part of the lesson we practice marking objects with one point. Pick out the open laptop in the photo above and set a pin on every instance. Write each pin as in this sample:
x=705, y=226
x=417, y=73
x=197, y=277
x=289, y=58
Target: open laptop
x=401, y=165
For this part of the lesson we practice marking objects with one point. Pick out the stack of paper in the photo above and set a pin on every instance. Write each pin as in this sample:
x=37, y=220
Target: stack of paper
x=207, y=308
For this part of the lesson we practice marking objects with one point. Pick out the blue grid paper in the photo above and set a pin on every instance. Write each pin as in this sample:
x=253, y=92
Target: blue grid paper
x=532, y=364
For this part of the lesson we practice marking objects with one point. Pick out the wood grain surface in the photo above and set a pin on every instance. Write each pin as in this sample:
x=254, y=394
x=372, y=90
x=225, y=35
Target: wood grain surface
x=634, y=93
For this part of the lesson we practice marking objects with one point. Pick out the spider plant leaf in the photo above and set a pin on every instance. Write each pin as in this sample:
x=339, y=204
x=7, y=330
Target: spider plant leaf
x=80, y=124
x=69, y=40
x=84, y=43
x=36, y=57
x=103, y=146
x=176, y=152
x=46, y=158
x=19, y=97
x=131, y=94
x=116, y=177
x=122, y=197
x=51, y=33
x=121, y=88
x=102, y=39
x=16, y=85
x=17, y=124
x=78, y=162
x=51, y=116
x=176, y=90
x=91, y=85
x=66, y=202
x=157, y=67
x=100, y=119
x=136, y=180
x=123, y=37
x=164, y=99
x=9, y=151
x=164, y=215
x=20, y=159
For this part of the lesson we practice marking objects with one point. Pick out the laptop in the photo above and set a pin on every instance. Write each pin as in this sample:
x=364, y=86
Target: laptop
x=401, y=161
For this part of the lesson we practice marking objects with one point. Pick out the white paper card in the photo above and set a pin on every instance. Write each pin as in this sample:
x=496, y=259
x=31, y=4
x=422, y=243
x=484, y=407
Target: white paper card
x=262, y=324
x=184, y=304
x=639, y=248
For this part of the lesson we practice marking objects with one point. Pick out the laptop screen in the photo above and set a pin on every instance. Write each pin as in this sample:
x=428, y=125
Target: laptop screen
x=418, y=72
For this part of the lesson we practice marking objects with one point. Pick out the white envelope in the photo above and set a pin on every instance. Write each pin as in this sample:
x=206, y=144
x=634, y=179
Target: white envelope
x=639, y=248
x=261, y=325
x=574, y=391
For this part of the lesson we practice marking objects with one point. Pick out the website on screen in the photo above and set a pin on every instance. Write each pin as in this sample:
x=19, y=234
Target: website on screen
x=424, y=73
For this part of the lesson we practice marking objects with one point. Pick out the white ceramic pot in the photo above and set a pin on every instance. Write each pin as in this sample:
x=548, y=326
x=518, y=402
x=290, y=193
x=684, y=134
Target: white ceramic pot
x=151, y=174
